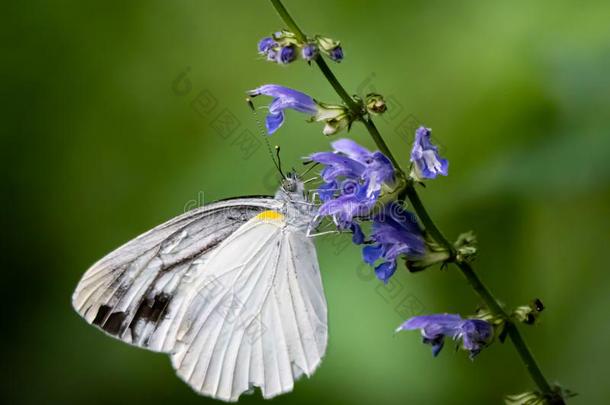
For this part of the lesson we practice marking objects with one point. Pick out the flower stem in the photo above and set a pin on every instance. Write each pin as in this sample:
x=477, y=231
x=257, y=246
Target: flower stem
x=475, y=282
x=354, y=107
x=431, y=228
x=330, y=76
x=513, y=332
x=466, y=269
x=383, y=147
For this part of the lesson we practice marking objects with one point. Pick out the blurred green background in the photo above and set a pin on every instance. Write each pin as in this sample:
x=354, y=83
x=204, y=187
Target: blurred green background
x=112, y=127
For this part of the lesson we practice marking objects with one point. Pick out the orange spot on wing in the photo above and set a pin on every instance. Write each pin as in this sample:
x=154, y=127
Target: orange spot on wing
x=270, y=216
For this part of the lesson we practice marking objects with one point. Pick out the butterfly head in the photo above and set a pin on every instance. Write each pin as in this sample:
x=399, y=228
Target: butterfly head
x=292, y=187
x=292, y=183
x=298, y=210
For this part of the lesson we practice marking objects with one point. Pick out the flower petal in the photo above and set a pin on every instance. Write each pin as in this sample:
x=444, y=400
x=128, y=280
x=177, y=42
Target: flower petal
x=274, y=121
x=475, y=334
x=337, y=165
x=327, y=190
x=344, y=208
x=437, y=344
x=385, y=270
x=371, y=253
x=398, y=228
x=423, y=321
x=350, y=148
x=275, y=90
x=282, y=103
x=357, y=234
x=283, y=98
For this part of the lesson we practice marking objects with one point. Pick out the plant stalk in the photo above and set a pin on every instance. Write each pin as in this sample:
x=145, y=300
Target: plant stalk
x=475, y=282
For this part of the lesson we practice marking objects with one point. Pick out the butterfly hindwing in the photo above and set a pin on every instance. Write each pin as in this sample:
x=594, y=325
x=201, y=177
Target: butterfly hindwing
x=258, y=317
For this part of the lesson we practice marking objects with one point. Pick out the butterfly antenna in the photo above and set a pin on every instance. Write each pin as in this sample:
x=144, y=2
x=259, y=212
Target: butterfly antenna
x=262, y=132
x=279, y=160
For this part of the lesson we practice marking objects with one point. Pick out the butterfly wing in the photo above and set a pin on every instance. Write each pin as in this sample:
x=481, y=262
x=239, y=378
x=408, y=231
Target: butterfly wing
x=258, y=317
x=135, y=292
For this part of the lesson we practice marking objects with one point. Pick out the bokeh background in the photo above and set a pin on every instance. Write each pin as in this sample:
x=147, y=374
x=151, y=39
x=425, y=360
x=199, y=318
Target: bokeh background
x=112, y=126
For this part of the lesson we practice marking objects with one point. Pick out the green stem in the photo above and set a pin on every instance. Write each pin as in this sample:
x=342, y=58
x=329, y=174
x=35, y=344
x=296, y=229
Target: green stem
x=330, y=76
x=475, y=282
x=332, y=79
x=513, y=332
x=383, y=147
x=530, y=363
x=431, y=228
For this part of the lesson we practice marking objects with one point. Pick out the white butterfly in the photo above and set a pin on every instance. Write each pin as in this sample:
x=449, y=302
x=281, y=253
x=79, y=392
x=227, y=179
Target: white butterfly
x=231, y=291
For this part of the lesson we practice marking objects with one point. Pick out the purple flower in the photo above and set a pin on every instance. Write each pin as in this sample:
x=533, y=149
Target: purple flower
x=336, y=117
x=350, y=203
x=277, y=49
x=327, y=190
x=353, y=177
x=354, y=161
x=309, y=52
x=357, y=234
x=427, y=163
x=272, y=54
x=283, y=98
x=286, y=54
x=266, y=44
x=474, y=333
x=336, y=54
x=395, y=233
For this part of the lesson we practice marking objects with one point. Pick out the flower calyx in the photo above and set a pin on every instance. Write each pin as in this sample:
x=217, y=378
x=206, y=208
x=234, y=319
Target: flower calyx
x=528, y=314
x=466, y=247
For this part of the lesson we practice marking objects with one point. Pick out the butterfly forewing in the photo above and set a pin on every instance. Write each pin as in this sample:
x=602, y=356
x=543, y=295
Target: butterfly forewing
x=135, y=292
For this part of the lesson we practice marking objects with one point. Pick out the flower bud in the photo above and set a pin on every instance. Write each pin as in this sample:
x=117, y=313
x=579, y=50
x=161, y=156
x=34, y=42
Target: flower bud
x=330, y=47
x=557, y=395
x=530, y=313
x=284, y=47
x=286, y=54
x=272, y=55
x=528, y=397
x=336, y=117
x=327, y=44
x=466, y=247
x=336, y=54
x=265, y=45
x=279, y=48
x=285, y=37
x=375, y=104
x=309, y=51
x=335, y=125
